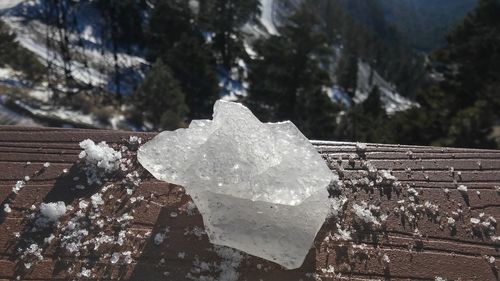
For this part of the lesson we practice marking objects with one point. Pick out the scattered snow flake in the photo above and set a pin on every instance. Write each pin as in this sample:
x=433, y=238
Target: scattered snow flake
x=412, y=191
x=127, y=257
x=96, y=200
x=451, y=222
x=360, y=147
x=6, y=208
x=385, y=259
x=475, y=221
x=46, y=164
x=19, y=185
x=190, y=208
x=114, y=257
x=83, y=204
x=135, y=140
x=409, y=153
x=85, y=272
x=181, y=255
x=342, y=234
x=330, y=269
x=26, y=178
x=121, y=237
x=196, y=231
x=125, y=217
x=364, y=213
x=462, y=188
x=159, y=238
x=490, y=259
x=49, y=239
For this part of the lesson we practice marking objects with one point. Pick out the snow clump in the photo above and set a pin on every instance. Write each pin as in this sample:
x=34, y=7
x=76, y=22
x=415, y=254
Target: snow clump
x=50, y=213
x=100, y=160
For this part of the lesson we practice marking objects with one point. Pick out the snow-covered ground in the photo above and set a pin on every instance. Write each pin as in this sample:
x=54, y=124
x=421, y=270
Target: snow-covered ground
x=7, y=4
x=392, y=100
x=92, y=60
x=10, y=117
x=267, y=16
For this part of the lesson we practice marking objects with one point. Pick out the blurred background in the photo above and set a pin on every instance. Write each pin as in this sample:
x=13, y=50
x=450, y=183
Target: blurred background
x=388, y=71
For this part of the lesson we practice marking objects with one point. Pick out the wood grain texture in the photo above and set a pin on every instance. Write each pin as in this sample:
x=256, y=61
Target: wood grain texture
x=458, y=254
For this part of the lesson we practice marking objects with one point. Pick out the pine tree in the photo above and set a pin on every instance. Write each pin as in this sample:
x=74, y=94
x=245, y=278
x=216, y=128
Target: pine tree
x=288, y=79
x=169, y=20
x=227, y=18
x=160, y=98
x=193, y=65
x=373, y=103
x=174, y=37
x=472, y=70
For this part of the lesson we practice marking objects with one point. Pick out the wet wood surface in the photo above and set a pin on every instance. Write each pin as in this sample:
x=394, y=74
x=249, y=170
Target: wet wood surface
x=424, y=250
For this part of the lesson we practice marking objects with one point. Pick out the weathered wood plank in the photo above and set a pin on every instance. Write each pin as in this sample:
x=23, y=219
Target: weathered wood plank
x=438, y=251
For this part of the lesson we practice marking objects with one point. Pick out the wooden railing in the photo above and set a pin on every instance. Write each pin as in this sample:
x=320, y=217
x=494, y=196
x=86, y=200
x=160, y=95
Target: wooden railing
x=165, y=240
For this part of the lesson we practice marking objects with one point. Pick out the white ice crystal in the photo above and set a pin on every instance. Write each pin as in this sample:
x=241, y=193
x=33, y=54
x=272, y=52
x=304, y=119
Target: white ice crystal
x=261, y=187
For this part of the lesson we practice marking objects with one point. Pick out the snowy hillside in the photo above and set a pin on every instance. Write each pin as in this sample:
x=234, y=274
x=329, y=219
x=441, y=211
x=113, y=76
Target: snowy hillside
x=272, y=15
x=7, y=4
x=392, y=101
x=91, y=57
x=93, y=62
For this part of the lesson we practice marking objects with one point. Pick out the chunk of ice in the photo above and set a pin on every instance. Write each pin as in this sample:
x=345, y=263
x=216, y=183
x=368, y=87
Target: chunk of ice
x=260, y=187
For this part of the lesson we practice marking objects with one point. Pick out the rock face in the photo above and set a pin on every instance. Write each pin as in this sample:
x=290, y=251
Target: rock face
x=260, y=187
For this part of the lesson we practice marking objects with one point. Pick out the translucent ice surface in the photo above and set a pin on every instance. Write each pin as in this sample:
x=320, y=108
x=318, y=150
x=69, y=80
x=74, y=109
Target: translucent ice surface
x=260, y=187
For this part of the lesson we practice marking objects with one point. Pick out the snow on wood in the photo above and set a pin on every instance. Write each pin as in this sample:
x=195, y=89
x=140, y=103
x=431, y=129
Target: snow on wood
x=88, y=239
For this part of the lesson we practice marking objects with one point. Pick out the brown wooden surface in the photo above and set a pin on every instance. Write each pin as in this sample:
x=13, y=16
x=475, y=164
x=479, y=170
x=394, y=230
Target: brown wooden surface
x=439, y=252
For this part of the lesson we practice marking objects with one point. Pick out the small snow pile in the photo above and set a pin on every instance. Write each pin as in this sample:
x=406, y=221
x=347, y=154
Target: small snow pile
x=6, y=208
x=484, y=225
x=100, y=160
x=19, y=185
x=31, y=254
x=462, y=188
x=50, y=213
x=368, y=215
x=248, y=179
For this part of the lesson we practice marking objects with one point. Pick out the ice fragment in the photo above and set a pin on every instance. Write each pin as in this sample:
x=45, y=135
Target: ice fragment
x=260, y=187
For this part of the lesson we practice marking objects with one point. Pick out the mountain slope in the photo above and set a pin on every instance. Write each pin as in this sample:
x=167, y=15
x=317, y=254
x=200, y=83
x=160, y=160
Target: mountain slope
x=275, y=12
x=425, y=23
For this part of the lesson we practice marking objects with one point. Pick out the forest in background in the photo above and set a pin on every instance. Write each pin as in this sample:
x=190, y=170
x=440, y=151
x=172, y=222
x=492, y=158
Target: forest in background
x=190, y=45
